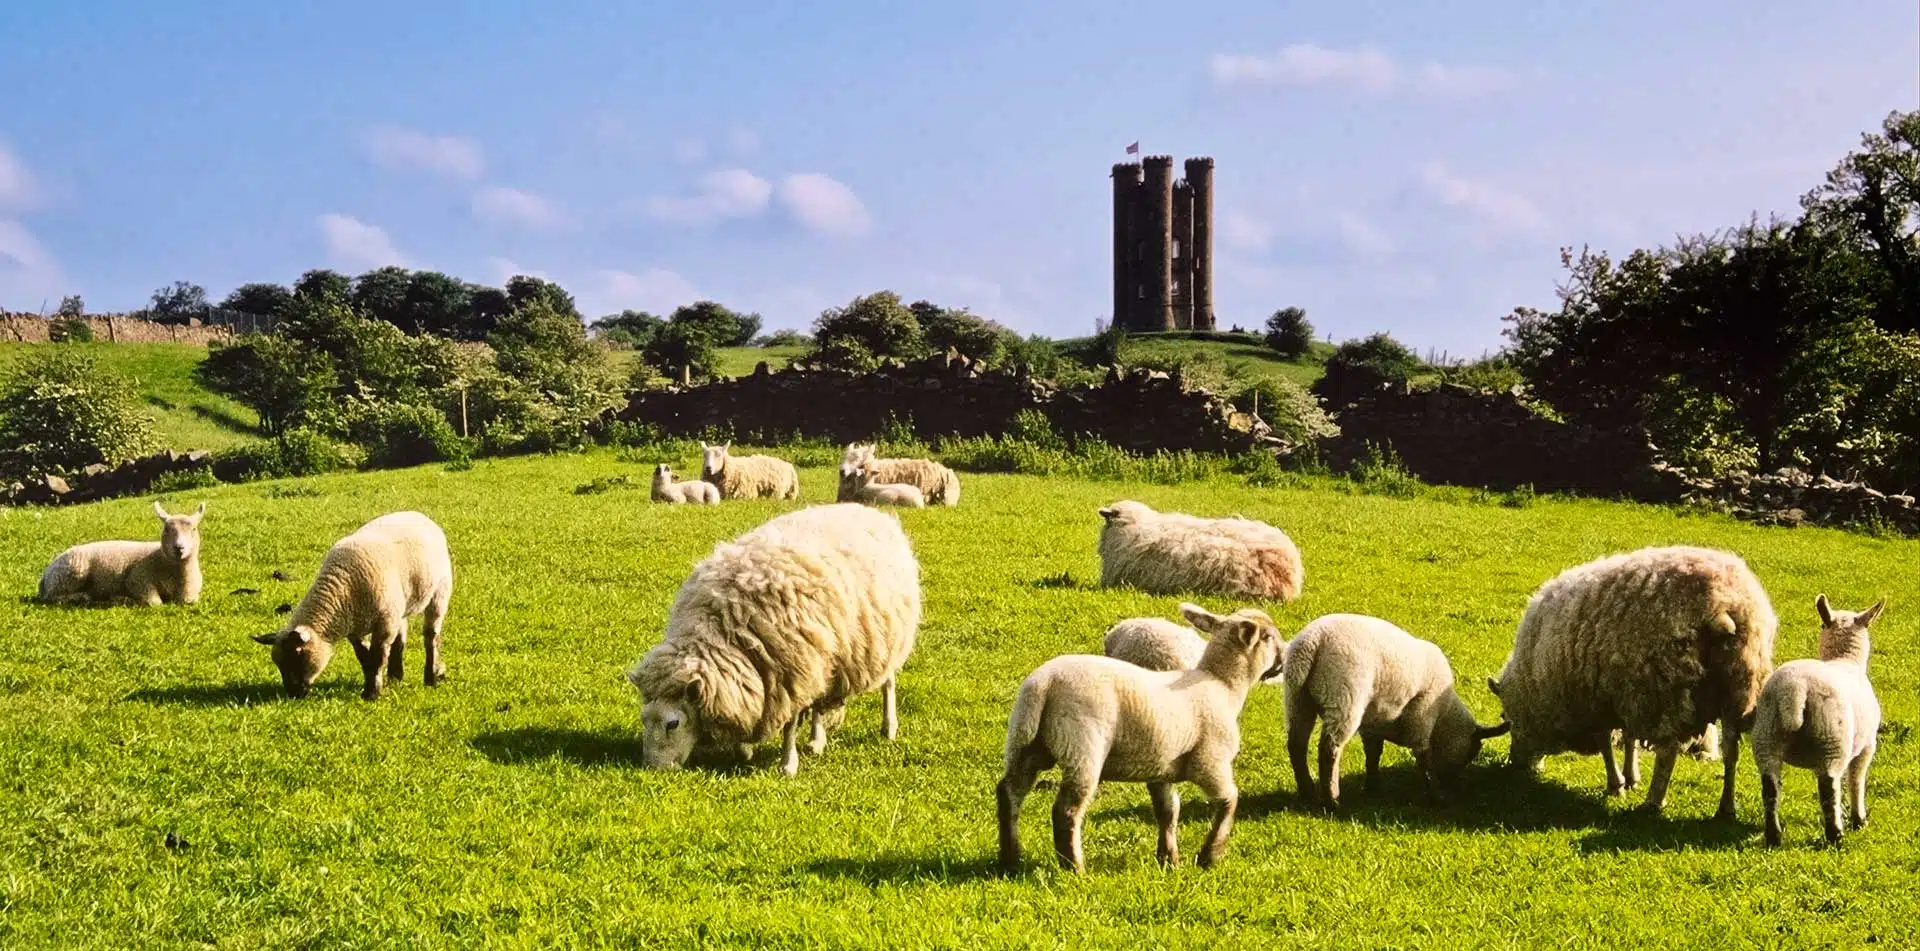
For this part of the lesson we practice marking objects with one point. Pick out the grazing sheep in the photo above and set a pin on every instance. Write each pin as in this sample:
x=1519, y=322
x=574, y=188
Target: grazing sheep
x=143, y=573
x=1360, y=674
x=869, y=492
x=369, y=583
x=1168, y=553
x=1656, y=643
x=1821, y=715
x=936, y=482
x=1099, y=718
x=682, y=493
x=1154, y=643
x=748, y=477
x=793, y=618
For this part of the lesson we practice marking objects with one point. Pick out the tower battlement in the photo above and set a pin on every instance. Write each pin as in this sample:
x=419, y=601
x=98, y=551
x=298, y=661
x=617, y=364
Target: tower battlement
x=1163, y=245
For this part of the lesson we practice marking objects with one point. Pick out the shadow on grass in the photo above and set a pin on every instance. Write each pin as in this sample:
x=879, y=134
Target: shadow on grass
x=1636, y=830
x=225, y=420
x=1064, y=581
x=238, y=693
x=535, y=744
x=906, y=869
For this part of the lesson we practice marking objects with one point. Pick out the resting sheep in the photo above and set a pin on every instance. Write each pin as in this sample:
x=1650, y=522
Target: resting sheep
x=1154, y=643
x=795, y=617
x=1656, y=643
x=1100, y=718
x=1169, y=553
x=665, y=489
x=1360, y=674
x=869, y=492
x=369, y=583
x=748, y=477
x=937, y=483
x=143, y=573
x=1821, y=715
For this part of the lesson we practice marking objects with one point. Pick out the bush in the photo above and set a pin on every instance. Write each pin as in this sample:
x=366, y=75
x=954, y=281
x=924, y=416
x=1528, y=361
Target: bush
x=70, y=329
x=1380, y=472
x=1358, y=367
x=396, y=435
x=783, y=338
x=60, y=412
x=1294, y=413
x=296, y=452
x=183, y=480
x=866, y=331
x=1289, y=334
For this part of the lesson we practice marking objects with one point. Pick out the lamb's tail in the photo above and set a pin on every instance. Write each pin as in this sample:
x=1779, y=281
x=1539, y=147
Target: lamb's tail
x=1029, y=711
x=1298, y=660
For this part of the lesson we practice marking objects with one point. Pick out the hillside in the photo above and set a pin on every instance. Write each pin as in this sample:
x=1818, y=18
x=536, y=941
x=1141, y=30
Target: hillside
x=189, y=416
x=1239, y=361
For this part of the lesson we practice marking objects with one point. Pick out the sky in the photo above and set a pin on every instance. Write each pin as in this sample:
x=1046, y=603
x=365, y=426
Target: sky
x=1387, y=166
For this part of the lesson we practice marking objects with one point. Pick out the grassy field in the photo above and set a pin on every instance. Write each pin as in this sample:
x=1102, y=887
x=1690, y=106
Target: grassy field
x=506, y=808
x=189, y=417
x=1244, y=363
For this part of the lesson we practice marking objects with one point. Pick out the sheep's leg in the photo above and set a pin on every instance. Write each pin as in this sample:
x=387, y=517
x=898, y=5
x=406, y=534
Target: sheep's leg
x=890, y=720
x=1729, y=757
x=379, y=649
x=790, y=741
x=1336, y=731
x=1166, y=813
x=817, y=743
x=1857, y=785
x=1012, y=791
x=433, y=619
x=1069, y=815
x=1770, y=799
x=395, y=657
x=1830, y=806
x=369, y=666
x=1614, y=783
x=1630, y=761
x=744, y=751
x=1373, y=745
x=1300, y=717
x=1663, y=760
x=1218, y=785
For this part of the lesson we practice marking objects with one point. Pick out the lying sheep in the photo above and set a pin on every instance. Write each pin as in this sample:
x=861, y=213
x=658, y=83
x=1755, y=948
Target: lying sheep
x=869, y=492
x=1168, y=553
x=1656, y=643
x=369, y=583
x=791, y=619
x=1099, y=718
x=1154, y=643
x=143, y=573
x=665, y=489
x=1360, y=674
x=748, y=477
x=937, y=483
x=1821, y=715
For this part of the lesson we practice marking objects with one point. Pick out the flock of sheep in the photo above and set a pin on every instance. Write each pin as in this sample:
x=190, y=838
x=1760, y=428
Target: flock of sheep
x=777, y=629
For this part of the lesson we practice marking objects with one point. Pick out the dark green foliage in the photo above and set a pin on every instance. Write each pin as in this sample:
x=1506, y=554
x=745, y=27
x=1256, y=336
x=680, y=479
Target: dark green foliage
x=69, y=329
x=297, y=452
x=1294, y=413
x=401, y=434
x=682, y=352
x=275, y=375
x=258, y=300
x=1361, y=366
x=321, y=285
x=72, y=306
x=628, y=329
x=783, y=338
x=866, y=331
x=1289, y=333
x=60, y=412
x=179, y=304
x=726, y=328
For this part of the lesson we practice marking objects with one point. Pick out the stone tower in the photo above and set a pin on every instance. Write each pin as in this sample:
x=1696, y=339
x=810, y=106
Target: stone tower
x=1163, y=245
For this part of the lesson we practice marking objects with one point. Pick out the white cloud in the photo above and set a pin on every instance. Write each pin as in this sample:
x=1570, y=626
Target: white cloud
x=512, y=206
x=1240, y=231
x=358, y=246
x=504, y=270
x=824, y=205
x=689, y=151
x=742, y=140
x=28, y=272
x=1362, y=236
x=1497, y=208
x=394, y=147
x=1367, y=69
x=727, y=193
x=17, y=187
x=654, y=290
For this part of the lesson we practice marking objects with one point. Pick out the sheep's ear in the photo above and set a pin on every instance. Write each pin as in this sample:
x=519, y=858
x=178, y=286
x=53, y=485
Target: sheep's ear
x=693, y=693
x=1202, y=618
x=267, y=639
x=1108, y=513
x=1489, y=732
x=1873, y=613
x=201, y=509
x=160, y=511
x=1493, y=686
x=303, y=635
x=1826, y=612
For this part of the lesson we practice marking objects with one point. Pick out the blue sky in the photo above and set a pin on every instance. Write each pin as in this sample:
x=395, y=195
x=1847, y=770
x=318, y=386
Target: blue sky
x=1387, y=166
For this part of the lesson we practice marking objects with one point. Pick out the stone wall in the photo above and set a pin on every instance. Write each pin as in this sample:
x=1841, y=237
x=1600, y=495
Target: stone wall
x=948, y=396
x=111, y=328
x=1793, y=497
x=105, y=482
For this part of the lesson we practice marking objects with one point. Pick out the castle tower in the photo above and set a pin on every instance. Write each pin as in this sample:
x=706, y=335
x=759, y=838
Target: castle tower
x=1128, y=280
x=1200, y=257
x=1182, y=254
x=1157, y=314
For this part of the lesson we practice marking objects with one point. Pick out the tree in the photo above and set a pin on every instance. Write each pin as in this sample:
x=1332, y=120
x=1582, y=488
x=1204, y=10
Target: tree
x=61, y=412
x=179, y=304
x=1289, y=334
x=629, y=328
x=1872, y=199
x=258, y=300
x=323, y=285
x=72, y=306
x=866, y=331
x=523, y=290
x=382, y=295
x=968, y=334
x=1359, y=366
x=438, y=303
x=725, y=327
x=277, y=376
x=682, y=351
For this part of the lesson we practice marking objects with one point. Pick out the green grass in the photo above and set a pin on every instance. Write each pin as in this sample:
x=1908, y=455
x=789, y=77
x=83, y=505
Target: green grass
x=188, y=415
x=1246, y=363
x=507, y=809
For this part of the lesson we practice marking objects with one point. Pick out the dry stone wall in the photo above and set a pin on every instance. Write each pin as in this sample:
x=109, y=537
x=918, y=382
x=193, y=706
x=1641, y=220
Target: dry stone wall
x=110, y=328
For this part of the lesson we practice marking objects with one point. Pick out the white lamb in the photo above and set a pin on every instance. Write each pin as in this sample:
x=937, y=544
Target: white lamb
x=1821, y=715
x=143, y=573
x=1360, y=674
x=665, y=489
x=1154, y=643
x=1100, y=718
x=748, y=477
x=869, y=492
x=1657, y=643
x=937, y=483
x=1169, y=553
x=369, y=583
x=793, y=618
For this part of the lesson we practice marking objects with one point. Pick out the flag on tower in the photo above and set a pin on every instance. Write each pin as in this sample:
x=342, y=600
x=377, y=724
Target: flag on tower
x=1133, y=149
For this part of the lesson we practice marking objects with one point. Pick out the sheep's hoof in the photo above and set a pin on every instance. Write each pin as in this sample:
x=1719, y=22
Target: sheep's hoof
x=790, y=766
x=1208, y=859
x=1859, y=822
x=1616, y=790
x=817, y=747
x=1725, y=813
x=1833, y=837
x=1773, y=836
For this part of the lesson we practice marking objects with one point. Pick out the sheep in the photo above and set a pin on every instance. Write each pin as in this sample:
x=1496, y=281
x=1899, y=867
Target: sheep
x=936, y=482
x=1168, y=553
x=1821, y=715
x=369, y=583
x=1154, y=643
x=697, y=492
x=1656, y=643
x=1101, y=718
x=869, y=492
x=789, y=620
x=1360, y=674
x=748, y=477
x=142, y=573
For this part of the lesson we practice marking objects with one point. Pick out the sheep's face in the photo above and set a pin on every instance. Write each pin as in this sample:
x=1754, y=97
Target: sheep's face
x=180, y=534
x=300, y=655
x=663, y=474
x=1844, y=633
x=1248, y=631
x=1455, y=742
x=713, y=459
x=667, y=733
x=1125, y=510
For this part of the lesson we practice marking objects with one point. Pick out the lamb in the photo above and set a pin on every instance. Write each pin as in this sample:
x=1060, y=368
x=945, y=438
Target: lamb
x=936, y=482
x=1360, y=674
x=748, y=477
x=665, y=489
x=1154, y=643
x=789, y=620
x=1100, y=718
x=142, y=573
x=1168, y=553
x=1656, y=643
x=369, y=583
x=869, y=492
x=1821, y=715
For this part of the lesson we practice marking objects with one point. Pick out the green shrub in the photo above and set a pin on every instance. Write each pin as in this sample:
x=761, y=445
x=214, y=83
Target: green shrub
x=396, y=435
x=1289, y=334
x=296, y=452
x=183, y=480
x=1380, y=472
x=1294, y=413
x=70, y=330
x=60, y=412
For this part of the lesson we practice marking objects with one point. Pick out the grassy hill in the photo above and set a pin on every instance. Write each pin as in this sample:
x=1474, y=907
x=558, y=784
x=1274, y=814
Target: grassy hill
x=160, y=794
x=1244, y=362
x=189, y=416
